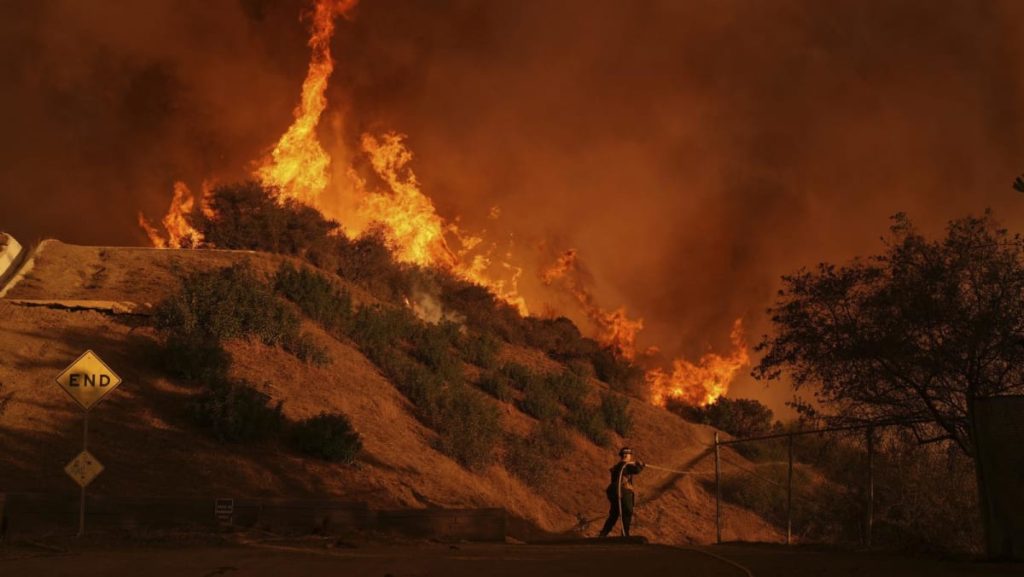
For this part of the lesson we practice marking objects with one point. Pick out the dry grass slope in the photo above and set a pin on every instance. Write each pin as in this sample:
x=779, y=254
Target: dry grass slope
x=143, y=435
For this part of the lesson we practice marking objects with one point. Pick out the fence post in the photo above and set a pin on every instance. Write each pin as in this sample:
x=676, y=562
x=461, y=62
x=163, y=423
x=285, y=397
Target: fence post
x=789, y=495
x=718, y=491
x=870, y=505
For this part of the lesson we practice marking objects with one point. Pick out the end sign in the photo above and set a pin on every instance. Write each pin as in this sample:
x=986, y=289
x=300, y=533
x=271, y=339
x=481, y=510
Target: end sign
x=88, y=380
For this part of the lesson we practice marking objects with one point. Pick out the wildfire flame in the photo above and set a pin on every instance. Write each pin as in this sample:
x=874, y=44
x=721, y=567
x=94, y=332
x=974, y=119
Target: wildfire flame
x=297, y=167
x=616, y=329
x=703, y=382
x=697, y=384
x=415, y=232
x=179, y=232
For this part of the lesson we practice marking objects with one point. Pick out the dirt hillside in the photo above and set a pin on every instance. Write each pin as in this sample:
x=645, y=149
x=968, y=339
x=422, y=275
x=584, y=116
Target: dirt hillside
x=143, y=434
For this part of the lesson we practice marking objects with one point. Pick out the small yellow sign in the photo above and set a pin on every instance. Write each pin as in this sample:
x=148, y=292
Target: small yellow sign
x=88, y=380
x=84, y=468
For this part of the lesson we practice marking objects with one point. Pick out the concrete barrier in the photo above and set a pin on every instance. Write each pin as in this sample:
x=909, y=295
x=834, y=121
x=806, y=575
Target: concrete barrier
x=26, y=515
x=10, y=253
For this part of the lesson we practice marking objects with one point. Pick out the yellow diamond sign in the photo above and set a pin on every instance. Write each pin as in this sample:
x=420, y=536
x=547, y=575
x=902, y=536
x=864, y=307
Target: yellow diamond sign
x=84, y=468
x=88, y=380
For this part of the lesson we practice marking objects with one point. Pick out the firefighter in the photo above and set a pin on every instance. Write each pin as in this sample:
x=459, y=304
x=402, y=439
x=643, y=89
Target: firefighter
x=621, y=495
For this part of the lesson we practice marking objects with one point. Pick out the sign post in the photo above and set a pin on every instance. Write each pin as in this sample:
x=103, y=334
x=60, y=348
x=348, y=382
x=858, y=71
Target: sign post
x=87, y=380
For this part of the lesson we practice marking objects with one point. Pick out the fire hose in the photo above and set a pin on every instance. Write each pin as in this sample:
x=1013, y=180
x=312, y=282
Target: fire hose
x=618, y=486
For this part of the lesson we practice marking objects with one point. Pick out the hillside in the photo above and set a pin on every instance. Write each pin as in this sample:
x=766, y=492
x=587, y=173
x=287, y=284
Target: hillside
x=143, y=434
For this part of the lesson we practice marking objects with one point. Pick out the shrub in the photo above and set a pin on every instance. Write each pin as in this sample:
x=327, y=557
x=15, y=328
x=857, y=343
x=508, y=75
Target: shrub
x=231, y=302
x=382, y=327
x=236, y=412
x=620, y=373
x=553, y=439
x=529, y=458
x=497, y=384
x=738, y=417
x=432, y=346
x=248, y=215
x=568, y=387
x=327, y=436
x=588, y=420
x=468, y=426
x=420, y=385
x=616, y=414
x=519, y=376
x=559, y=338
x=195, y=357
x=484, y=313
x=305, y=348
x=316, y=296
x=479, y=349
x=539, y=400
x=368, y=261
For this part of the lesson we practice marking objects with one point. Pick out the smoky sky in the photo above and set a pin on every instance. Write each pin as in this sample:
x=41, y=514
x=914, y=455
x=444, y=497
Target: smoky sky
x=692, y=151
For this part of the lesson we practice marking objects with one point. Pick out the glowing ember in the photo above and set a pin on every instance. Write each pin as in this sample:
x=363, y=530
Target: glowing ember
x=298, y=165
x=179, y=232
x=701, y=383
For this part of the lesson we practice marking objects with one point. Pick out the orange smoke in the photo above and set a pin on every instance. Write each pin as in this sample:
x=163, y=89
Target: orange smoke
x=700, y=383
x=180, y=233
x=297, y=167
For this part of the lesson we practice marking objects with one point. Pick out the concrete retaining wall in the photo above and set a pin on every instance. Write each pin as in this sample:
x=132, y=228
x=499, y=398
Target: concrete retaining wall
x=25, y=515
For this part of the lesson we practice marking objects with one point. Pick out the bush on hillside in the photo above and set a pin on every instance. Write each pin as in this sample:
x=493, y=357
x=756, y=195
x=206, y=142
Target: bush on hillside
x=306, y=348
x=419, y=384
x=559, y=338
x=236, y=412
x=232, y=302
x=620, y=373
x=479, y=349
x=553, y=439
x=484, y=313
x=519, y=376
x=431, y=344
x=380, y=327
x=616, y=414
x=738, y=417
x=368, y=261
x=588, y=420
x=539, y=400
x=327, y=436
x=468, y=426
x=568, y=387
x=497, y=384
x=316, y=296
x=195, y=358
x=531, y=457
x=248, y=215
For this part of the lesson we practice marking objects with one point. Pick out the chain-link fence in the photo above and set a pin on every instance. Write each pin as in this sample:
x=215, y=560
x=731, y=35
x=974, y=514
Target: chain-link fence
x=876, y=486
